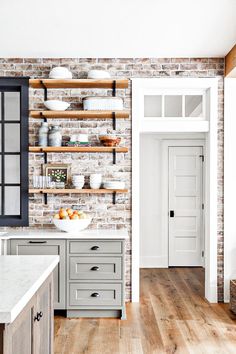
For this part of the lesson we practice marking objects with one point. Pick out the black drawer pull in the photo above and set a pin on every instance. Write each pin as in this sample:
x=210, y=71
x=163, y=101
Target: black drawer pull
x=95, y=268
x=95, y=295
x=38, y=316
x=95, y=248
x=37, y=242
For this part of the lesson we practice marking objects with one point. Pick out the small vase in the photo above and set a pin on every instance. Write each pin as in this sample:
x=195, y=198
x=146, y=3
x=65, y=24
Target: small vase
x=43, y=134
x=55, y=137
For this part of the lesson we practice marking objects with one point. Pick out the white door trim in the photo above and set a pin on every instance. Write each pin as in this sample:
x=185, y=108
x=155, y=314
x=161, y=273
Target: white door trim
x=229, y=184
x=210, y=127
x=166, y=143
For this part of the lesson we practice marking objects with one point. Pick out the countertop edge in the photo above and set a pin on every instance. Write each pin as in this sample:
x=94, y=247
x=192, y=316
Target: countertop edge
x=49, y=234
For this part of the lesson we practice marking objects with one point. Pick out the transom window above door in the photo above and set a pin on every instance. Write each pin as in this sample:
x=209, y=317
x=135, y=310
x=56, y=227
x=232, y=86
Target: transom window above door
x=172, y=105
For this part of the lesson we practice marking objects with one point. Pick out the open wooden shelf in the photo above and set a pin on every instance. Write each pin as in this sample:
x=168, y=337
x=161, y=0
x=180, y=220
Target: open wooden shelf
x=40, y=149
x=77, y=191
x=78, y=83
x=79, y=114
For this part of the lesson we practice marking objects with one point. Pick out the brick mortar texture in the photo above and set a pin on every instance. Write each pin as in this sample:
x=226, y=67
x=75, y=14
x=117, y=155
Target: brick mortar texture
x=107, y=215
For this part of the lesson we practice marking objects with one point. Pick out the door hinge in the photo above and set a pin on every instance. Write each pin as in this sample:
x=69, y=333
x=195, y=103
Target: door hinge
x=203, y=253
x=202, y=157
x=203, y=206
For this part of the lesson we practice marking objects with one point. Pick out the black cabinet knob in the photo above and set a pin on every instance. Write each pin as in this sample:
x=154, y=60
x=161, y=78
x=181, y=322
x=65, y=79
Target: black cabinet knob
x=95, y=248
x=95, y=268
x=95, y=295
x=172, y=213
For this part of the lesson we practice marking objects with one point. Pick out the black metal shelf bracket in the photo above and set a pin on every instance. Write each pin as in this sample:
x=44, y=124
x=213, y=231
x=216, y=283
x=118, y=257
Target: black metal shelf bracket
x=114, y=156
x=45, y=156
x=114, y=120
x=43, y=117
x=45, y=90
x=114, y=88
x=45, y=197
x=114, y=198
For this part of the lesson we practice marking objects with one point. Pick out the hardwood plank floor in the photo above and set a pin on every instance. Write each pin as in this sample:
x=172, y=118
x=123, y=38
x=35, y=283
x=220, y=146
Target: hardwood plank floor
x=172, y=317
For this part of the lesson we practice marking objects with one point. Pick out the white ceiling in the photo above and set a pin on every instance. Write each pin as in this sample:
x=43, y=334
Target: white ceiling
x=117, y=28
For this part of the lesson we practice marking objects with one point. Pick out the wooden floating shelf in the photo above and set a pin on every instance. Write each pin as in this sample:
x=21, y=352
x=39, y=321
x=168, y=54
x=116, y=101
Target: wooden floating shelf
x=38, y=149
x=77, y=191
x=79, y=114
x=78, y=83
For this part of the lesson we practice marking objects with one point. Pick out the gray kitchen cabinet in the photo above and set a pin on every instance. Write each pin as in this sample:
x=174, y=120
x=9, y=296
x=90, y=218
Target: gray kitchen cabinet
x=96, y=278
x=46, y=247
x=32, y=331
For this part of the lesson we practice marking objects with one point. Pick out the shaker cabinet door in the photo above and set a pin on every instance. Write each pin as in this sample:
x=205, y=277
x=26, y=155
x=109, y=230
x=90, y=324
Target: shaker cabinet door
x=43, y=317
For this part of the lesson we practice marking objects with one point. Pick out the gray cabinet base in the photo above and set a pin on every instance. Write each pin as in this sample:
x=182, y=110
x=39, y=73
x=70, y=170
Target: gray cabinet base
x=96, y=313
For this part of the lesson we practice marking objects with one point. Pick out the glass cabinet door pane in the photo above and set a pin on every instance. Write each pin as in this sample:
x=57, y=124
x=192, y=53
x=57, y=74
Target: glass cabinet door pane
x=12, y=169
x=12, y=200
x=193, y=106
x=173, y=106
x=152, y=106
x=12, y=105
x=12, y=137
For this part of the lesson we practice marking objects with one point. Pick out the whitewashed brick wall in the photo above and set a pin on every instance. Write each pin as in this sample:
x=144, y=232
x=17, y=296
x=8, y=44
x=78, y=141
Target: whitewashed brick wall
x=107, y=215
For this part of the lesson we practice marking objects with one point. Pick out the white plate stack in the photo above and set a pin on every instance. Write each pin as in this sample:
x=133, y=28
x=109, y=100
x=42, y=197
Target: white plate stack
x=95, y=180
x=114, y=184
x=78, y=181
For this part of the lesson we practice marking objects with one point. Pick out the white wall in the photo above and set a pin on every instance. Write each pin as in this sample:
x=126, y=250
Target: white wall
x=121, y=28
x=229, y=183
x=152, y=250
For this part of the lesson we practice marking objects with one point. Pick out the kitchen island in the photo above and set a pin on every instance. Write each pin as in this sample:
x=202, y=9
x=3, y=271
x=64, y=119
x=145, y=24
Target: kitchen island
x=26, y=304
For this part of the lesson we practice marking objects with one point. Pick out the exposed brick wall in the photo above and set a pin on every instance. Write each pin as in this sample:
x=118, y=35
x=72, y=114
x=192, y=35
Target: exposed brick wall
x=107, y=215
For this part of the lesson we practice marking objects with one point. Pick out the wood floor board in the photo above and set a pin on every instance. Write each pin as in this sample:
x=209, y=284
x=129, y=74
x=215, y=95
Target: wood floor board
x=172, y=318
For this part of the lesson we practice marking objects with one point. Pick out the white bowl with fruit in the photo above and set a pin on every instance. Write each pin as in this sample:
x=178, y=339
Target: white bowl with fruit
x=70, y=220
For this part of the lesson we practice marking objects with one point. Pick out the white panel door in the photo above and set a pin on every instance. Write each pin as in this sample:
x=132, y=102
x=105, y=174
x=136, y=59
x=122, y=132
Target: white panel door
x=185, y=206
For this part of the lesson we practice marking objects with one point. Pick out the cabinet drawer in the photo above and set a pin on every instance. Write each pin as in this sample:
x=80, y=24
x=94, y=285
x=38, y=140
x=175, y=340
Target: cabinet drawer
x=94, y=294
x=95, y=247
x=106, y=268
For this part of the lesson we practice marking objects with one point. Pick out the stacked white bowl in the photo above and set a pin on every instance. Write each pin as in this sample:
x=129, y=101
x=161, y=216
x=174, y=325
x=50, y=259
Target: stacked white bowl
x=113, y=184
x=95, y=180
x=78, y=181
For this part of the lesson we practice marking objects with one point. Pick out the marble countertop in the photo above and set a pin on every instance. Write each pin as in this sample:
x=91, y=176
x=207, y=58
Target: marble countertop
x=54, y=234
x=20, y=278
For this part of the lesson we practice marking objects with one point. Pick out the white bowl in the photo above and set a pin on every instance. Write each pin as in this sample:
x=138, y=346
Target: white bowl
x=98, y=74
x=78, y=180
x=95, y=185
x=60, y=72
x=114, y=185
x=78, y=186
x=56, y=105
x=72, y=226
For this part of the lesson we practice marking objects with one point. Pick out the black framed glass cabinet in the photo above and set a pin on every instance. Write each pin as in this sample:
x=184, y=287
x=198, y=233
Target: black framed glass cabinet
x=14, y=151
